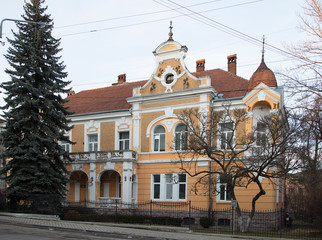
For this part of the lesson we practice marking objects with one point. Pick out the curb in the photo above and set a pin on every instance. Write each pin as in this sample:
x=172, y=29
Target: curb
x=31, y=216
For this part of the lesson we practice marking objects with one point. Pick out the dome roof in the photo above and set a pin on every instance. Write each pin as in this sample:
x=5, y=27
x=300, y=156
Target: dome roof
x=262, y=75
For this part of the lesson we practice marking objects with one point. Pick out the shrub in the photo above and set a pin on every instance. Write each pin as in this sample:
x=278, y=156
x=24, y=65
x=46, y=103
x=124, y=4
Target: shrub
x=206, y=222
x=72, y=215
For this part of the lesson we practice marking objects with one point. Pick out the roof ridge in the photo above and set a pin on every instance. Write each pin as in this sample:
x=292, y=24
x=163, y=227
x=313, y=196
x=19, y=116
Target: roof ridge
x=124, y=84
x=233, y=75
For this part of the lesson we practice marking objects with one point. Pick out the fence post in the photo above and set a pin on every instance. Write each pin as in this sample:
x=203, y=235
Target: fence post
x=232, y=221
x=281, y=223
x=116, y=220
x=150, y=212
x=189, y=214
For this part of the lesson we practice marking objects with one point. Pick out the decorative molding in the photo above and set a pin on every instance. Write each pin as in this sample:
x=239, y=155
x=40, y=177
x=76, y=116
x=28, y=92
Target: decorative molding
x=169, y=70
x=203, y=164
x=148, y=130
x=77, y=167
x=109, y=166
x=168, y=112
x=123, y=123
x=92, y=126
x=249, y=114
x=169, y=123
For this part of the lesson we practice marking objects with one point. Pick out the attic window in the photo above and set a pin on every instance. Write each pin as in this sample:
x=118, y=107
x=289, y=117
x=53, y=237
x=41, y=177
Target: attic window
x=169, y=78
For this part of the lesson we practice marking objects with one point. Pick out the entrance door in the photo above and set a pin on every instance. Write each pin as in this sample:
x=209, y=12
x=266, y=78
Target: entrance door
x=106, y=190
x=77, y=192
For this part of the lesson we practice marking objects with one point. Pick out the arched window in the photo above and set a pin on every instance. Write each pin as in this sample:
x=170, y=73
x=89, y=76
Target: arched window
x=159, y=139
x=181, y=137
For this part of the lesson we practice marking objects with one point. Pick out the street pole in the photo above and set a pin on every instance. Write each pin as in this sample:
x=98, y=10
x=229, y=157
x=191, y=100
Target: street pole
x=16, y=20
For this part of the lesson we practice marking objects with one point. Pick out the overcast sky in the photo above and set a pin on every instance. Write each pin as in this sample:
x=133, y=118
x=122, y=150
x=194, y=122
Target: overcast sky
x=103, y=38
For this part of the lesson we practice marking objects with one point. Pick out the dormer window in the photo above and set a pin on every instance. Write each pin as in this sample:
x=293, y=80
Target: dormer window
x=169, y=78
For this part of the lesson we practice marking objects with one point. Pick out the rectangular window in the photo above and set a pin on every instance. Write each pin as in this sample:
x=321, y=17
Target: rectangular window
x=92, y=142
x=223, y=187
x=261, y=135
x=182, y=186
x=226, y=138
x=124, y=141
x=66, y=146
x=156, y=186
x=169, y=187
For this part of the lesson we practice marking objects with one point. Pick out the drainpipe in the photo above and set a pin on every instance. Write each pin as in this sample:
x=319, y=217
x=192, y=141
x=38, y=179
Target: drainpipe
x=211, y=200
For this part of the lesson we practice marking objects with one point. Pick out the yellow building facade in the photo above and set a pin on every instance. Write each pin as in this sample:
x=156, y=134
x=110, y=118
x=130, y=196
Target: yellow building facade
x=124, y=134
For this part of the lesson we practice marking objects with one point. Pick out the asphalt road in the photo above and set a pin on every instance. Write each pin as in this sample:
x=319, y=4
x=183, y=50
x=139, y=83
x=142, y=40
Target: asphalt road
x=16, y=232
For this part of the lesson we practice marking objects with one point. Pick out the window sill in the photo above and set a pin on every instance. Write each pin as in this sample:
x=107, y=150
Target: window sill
x=223, y=201
x=169, y=201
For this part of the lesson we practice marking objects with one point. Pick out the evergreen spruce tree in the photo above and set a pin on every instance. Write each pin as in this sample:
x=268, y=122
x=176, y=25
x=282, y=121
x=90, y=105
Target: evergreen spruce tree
x=35, y=114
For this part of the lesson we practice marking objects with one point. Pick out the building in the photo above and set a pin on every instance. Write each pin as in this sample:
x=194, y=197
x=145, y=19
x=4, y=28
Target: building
x=124, y=134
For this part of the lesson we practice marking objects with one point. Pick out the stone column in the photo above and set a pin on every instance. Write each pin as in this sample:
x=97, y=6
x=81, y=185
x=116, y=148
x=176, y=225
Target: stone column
x=92, y=179
x=127, y=182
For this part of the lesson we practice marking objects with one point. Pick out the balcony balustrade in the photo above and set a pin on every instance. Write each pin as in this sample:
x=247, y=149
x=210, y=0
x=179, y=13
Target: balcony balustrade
x=127, y=155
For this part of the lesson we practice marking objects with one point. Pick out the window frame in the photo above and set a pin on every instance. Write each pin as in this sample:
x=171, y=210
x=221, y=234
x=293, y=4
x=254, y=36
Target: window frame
x=158, y=136
x=261, y=133
x=182, y=141
x=93, y=143
x=123, y=140
x=169, y=78
x=220, y=133
x=65, y=145
x=171, y=187
x=226, y=193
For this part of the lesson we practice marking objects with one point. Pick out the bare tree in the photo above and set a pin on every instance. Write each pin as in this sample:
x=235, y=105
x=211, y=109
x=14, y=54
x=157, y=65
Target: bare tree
x=237, y=157
x=306, y=113
x=308, y=56
x=308, y=151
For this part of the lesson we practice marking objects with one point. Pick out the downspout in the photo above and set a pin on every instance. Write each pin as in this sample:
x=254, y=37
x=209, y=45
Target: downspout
x=211, y=200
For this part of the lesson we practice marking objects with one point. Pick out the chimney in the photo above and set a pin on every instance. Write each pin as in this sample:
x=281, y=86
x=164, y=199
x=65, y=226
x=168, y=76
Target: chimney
x=200, y=65
x=70, y=93
x=120, y=79
x=232, y=64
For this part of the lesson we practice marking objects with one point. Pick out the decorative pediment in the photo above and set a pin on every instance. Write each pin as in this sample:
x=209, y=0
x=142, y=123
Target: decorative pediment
x=262, y=94
x=92, y=126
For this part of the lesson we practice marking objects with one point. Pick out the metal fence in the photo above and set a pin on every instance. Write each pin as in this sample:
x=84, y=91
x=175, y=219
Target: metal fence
x=277, y=223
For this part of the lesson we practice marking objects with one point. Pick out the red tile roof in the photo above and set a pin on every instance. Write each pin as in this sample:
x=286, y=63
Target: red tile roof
x=226, y=83
x=102, y=99
x=114, y=97
x=262, y=75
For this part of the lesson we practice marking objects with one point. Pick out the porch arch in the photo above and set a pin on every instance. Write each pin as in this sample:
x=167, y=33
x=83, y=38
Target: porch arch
x=110, y=184
x=78, y=187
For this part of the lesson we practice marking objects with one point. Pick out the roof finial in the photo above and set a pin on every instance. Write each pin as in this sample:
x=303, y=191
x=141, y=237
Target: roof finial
x=170, y=33
x=263, y=50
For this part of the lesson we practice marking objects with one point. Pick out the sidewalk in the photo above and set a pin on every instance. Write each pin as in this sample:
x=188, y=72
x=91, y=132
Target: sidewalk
x=158, y=232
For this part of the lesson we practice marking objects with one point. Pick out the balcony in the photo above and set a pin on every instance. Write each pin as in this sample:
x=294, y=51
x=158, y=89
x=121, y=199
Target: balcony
x=103, y=156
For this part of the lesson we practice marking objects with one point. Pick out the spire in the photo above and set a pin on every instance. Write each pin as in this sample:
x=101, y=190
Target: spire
x=263, y=50
x=263, y=74
x=170, y=33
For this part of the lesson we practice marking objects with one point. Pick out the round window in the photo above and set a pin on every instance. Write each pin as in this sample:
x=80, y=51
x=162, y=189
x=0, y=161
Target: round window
x=169, y=78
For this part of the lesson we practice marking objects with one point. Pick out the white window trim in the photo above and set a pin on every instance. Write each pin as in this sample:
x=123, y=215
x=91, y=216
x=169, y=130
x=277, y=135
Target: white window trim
x=165, y=139
x=218, y=184
x=65, y=143
x=219, y=134
x=117, y=138
x=87, y=142
x=174, y=137
x=277, y=181
x=175, y=189
x=258, y=113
